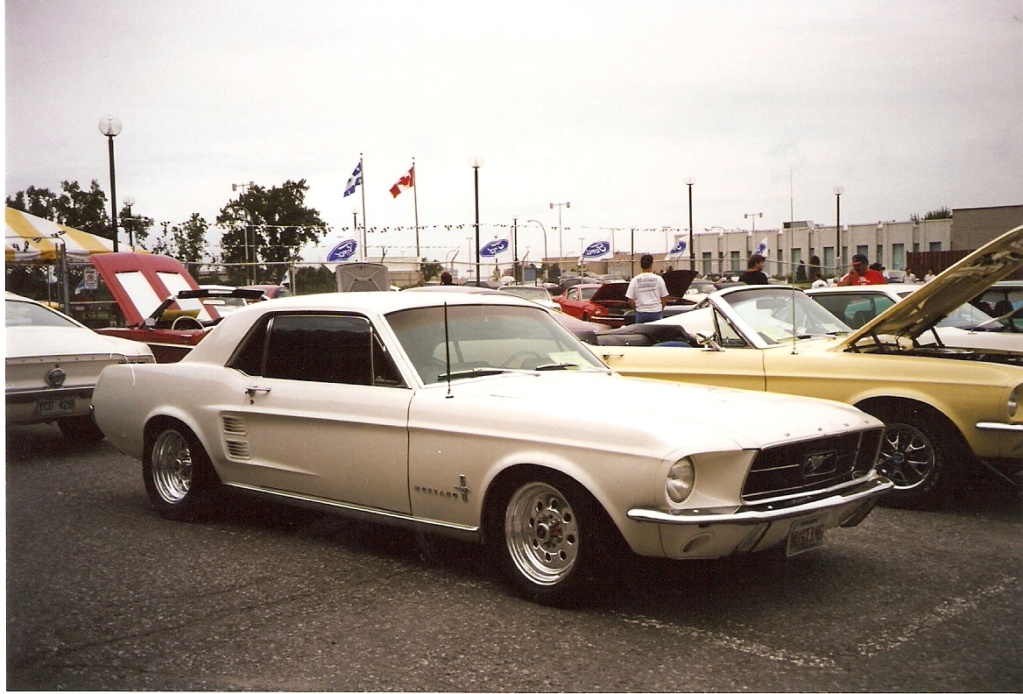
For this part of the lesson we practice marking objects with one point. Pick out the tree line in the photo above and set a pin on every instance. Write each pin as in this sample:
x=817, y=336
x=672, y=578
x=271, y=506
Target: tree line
x=261, y=226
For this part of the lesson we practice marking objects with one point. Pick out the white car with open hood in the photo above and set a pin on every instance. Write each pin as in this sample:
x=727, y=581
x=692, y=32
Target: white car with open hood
x=426, y=409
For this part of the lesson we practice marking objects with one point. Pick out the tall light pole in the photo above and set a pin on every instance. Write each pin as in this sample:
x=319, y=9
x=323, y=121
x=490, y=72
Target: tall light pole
x=244, y=188
x=129, y=200
x=692, y=257
x=476, y=187
x=515, y=250
x=839, y=260
x=752, y=216
x=110, y=126
x=561, y=252
x=544, y=230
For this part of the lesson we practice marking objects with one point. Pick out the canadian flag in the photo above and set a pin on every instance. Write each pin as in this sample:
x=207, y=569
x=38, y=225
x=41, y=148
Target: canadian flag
x=406, y=181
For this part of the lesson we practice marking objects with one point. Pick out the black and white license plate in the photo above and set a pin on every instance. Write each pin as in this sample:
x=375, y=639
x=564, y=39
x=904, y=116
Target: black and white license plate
x=805, y=535
x=56, y=406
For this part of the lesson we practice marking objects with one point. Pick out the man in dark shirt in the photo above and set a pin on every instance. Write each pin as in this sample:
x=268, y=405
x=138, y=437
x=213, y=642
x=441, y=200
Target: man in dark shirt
x=754, y=270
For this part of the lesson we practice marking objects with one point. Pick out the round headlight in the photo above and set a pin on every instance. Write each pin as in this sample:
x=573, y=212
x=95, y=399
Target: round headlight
x=1013, y=403
x=681, y=478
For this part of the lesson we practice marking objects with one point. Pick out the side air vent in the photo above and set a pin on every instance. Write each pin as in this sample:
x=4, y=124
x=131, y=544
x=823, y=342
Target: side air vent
x=238, y=450
x=234, y=426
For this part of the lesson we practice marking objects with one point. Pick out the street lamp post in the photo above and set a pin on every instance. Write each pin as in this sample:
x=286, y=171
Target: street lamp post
x=246, y=187
x=753, y=217
x=692, y=251
x=129, y=200
x=544, y=230
x=476, y=189
x=839, y=260
x=515, y=250
x=110, y=126
x=561, y=250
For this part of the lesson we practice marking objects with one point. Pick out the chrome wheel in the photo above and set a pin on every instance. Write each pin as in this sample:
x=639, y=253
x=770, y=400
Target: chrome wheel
x=907, y=456
x=172, y=467
x=541, y=533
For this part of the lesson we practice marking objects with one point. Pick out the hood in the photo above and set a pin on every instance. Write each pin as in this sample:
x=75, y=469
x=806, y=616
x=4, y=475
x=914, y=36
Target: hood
x=610, y=291
x=678, y=281
x=971, y=276
x=656, y=419
x=140, y=283
x=363, y=277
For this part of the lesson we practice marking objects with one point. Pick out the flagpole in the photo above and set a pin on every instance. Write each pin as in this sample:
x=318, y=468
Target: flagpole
x=415, y=205
x=365, y=248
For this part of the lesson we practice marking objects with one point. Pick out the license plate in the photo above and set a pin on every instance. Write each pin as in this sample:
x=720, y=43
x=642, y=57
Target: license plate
x=56, y=406
x=805, y=535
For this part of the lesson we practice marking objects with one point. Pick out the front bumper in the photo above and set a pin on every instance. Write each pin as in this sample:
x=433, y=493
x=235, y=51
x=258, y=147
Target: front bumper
x=718, y=533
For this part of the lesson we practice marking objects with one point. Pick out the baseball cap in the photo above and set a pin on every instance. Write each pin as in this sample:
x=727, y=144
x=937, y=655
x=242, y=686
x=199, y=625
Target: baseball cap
x=859, y=258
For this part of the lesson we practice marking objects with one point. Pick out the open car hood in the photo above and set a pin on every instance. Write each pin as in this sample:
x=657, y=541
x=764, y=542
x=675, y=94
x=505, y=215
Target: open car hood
x=141, y=284
x=968, y=278
x=678, y=281
x=611, y=291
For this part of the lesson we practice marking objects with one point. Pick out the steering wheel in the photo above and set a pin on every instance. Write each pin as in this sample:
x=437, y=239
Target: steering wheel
x=523, y=354
x=195, y=324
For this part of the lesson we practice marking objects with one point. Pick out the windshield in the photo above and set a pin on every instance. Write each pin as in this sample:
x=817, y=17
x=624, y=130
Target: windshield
x=23, y=313
x=781, y=315
x=534, y=293
x=484, y=339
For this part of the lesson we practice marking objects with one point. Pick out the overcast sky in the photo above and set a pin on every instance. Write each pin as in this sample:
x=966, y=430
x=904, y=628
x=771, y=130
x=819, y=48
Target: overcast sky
x=909, y=105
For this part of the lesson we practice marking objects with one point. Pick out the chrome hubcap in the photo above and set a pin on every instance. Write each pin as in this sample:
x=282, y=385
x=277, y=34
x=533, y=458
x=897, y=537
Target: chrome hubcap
x=542, y=534
x=172, y=466
x=906, y=458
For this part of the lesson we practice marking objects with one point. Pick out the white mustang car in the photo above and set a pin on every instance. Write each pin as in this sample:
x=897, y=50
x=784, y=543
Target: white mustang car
x=421, y=409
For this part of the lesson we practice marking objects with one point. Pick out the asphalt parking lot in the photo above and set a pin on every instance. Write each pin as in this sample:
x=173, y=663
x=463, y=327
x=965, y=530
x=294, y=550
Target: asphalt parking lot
x=102, y=594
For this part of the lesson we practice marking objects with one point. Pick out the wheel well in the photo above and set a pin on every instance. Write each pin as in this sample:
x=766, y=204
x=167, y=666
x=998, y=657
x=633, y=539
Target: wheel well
x=501, y=486
x=885, y=407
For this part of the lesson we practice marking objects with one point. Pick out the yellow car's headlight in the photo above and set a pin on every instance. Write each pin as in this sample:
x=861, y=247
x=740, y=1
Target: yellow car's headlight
x=680, y=481
x=1014, y=397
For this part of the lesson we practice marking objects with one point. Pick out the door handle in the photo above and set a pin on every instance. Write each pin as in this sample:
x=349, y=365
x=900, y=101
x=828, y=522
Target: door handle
x=252, y=390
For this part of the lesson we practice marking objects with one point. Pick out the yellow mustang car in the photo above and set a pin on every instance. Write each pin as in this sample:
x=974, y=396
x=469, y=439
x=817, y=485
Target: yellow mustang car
x=941, y=405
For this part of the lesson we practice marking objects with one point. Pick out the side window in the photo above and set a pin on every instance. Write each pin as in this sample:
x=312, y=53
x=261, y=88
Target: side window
x=317, y=347
x=726, y=335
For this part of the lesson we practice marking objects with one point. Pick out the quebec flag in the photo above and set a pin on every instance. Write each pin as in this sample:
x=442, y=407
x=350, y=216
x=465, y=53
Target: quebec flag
x=354, y=180
x=598, y=250
x=678, y=250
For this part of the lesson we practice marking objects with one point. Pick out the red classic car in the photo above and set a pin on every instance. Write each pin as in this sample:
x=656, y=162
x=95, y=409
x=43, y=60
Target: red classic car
x=600, y=303
x=160, y=303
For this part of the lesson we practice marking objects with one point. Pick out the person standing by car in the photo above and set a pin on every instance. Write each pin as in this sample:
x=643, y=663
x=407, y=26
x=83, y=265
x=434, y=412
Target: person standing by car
x=860, y=273
x=445, y=278
x=647, y=293
x=818, y=281
x=754, y=270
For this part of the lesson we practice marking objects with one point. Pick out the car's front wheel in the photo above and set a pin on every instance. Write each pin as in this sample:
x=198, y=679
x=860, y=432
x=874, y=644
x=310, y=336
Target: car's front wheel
x=914, y=455
x=544, y=534
x=179, y=477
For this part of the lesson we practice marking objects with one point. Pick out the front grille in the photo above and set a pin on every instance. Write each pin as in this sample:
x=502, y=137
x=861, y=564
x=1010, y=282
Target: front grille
x=806, y=467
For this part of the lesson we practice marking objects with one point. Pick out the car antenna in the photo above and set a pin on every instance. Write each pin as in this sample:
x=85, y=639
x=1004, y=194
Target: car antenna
x=794, y=338
x=447, y=349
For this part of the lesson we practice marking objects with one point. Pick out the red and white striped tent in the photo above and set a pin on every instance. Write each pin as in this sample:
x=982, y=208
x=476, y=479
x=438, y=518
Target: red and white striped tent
x=31, y=239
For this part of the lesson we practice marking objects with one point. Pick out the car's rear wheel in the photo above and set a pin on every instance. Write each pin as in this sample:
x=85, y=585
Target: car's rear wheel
x=544, y=533
x=82, y=429
x=179, y=477
x=914, y=455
